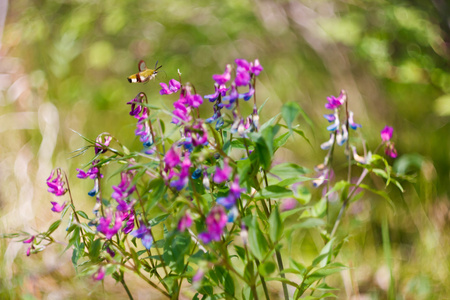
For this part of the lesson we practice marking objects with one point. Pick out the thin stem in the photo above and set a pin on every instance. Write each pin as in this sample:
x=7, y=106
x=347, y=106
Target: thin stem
x=281, y=268
x=263, y=282
x=122, y=281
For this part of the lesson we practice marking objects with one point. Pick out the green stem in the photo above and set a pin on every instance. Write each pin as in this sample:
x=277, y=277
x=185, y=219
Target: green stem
x=122, y=281
x=263, y=282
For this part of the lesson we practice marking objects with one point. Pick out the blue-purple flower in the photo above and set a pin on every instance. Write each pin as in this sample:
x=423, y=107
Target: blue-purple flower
x=144, y=234
x=351, y=122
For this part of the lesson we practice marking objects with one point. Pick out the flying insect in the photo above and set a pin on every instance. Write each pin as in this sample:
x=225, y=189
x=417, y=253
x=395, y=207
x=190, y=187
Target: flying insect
x=144, y=74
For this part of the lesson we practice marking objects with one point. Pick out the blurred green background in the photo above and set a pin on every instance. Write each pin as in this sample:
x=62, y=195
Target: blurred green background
x=63, y=66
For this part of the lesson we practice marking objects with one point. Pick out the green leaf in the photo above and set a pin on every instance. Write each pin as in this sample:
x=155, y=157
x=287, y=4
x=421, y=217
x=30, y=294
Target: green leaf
x=268, y=135
x=94, y=250
x=276, y=226
x=289, y=112
x=263, y=153
x=83, y=214
x=280, y=140
x=266, y=268
x=324, y=272
x=53, y=227
x=257, y=242
x=308, y=223
x=274, y=192
x=325, y=255
x=287, y=170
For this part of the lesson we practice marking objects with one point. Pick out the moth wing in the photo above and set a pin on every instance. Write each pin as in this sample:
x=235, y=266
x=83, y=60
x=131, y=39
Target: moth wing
x=142, y=66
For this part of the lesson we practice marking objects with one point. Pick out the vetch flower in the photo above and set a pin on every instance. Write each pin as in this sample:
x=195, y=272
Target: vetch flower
x=288, y=204
x=124, y=189
x=223, y=78
x=102, y=142
x=215, y=223
x=185, y=222
x=336, y=102
x=336, y=123
x=390, y=150
x=129, y=226
x=100, y=274
x=58, y=208
x=342, y=136
x=135, y=103
x=30, y=240
x=56, y=183
x=256, y=67
x=174, y=86
x=222, y=174
x=144, y=234
x=327, y=145
x=247, y=96
x=352, y=123
x=386, y=133
x=198, y=275
x=172, y=157
x=105, y=222
x=361, y=159
x=330, y=117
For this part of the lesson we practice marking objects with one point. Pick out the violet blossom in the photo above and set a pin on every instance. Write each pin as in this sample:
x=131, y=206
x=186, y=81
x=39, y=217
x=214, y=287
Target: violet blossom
x=104, y=225
x=185, y=222
x=222, y=174
x=144, y=234
x=57, y=207
x=386, y=135
x=215, y=224
x=174, y=86
x=102, y=142
x=55, y=183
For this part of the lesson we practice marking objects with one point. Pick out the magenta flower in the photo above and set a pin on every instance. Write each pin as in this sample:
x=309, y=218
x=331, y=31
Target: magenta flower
x=56, y=183
x=222, y=174
x=144, y=234
x=215, y=224
x=194, y=100
x=386, y=133
x=242, y=72
x=104, y=225
x=30, y=240
x=336, y=102
x=100, y=274
x=172, y=157
x=223, y=78
x=243, y=64
x=256, y=67
x=58, y=208
x=101, y=142
x=129, y=226
x=198, y=275
x=143, y=129
x=174, y=86
x=198, y=133
x=124, y=189
x=185, y=222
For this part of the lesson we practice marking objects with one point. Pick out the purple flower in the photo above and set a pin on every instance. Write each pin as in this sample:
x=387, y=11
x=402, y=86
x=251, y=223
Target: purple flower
x=183, y=176
x=215, y=223
x=330, y=117
x=242, y=76
x=124, y=189
x=198, y=275
x=386, y=133
x=352, y=123
x=174, y=86
x=231, y=98
x=288, y=204
x=101, y=143
x=198, y=133
x=322, y=176
x=222, y=174
x=336, y=123
x=143, y=129
x=100, y=274
x=58, y=208
x=390, y=150
x=256, y=68
x=235, y=188
x=194, y=100
x=334, y=102
x=56, y=184
x=228, y=202
x=129, y=226
x=105, y=222
x=144, y=234
x=92, y=173
x=223, y=78
x=181, y=112
x=136, y=106
x=247, y=96
x=185, y=222
x=30, y=240
x=110, y=251
x=172, y=158
x=243, y=64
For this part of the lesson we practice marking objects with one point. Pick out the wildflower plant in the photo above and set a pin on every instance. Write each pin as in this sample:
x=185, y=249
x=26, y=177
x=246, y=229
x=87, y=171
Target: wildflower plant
x=209, y=206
